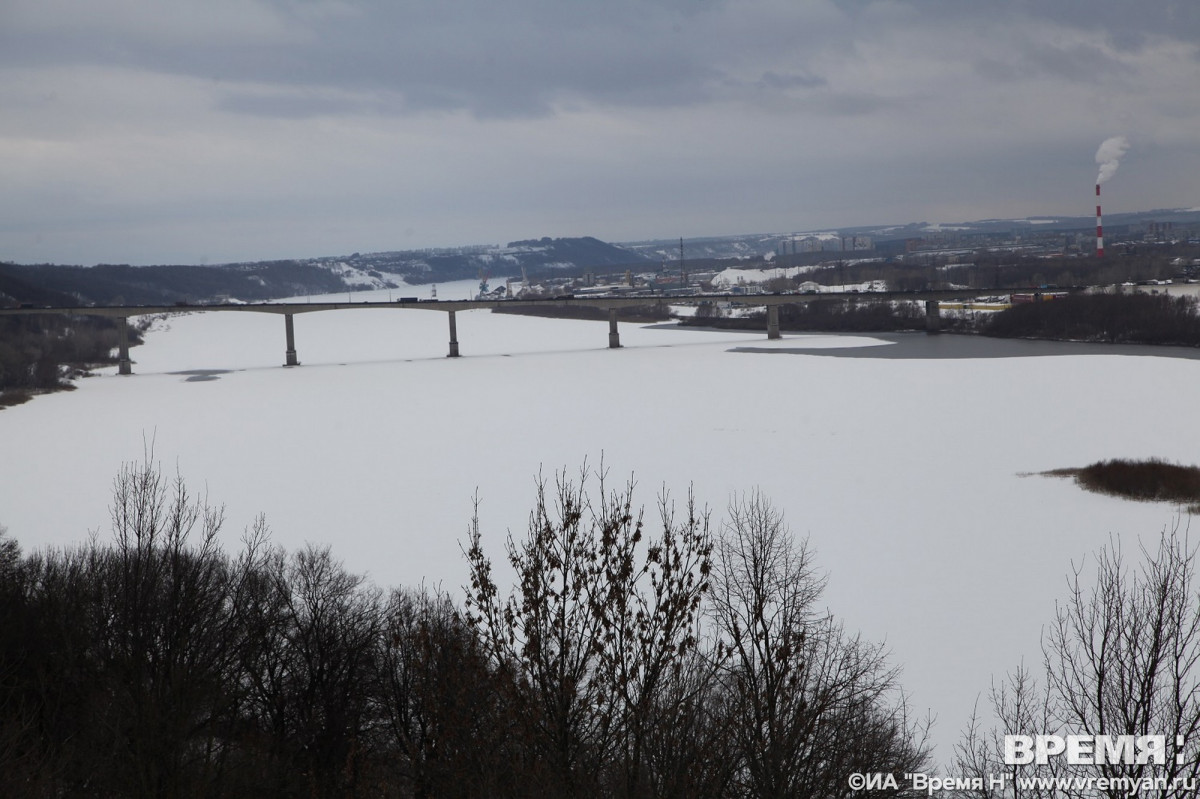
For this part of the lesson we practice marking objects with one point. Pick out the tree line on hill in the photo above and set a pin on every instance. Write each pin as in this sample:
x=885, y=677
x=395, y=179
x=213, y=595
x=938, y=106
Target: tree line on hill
x=117, y=284
x=121, y=284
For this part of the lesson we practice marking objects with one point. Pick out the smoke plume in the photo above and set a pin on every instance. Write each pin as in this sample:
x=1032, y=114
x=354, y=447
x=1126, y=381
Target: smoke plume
x=1109, y=156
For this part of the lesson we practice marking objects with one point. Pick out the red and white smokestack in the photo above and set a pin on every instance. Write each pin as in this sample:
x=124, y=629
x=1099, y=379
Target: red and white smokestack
x=1099, y=226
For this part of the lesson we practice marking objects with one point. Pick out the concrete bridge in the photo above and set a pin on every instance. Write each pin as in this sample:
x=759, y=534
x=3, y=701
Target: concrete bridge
x=289, y=309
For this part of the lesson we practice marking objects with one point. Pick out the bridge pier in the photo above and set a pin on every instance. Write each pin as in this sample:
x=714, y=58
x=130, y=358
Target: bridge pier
x=453, y=337
x=124, y=366
x=933, y=317
x=773, y=322
x=614, y=338
x=290, y=328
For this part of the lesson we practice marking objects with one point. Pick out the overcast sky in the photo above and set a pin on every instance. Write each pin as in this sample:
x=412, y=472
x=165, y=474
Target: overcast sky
x=206, y=131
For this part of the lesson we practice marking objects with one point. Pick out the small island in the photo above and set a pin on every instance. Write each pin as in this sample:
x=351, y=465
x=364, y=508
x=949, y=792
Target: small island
x=1150, y=480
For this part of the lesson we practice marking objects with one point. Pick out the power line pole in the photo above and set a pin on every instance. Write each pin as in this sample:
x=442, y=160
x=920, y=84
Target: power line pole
x=682, y=270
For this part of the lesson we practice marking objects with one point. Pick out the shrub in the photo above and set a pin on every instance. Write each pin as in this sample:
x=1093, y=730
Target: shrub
x=1147, y=480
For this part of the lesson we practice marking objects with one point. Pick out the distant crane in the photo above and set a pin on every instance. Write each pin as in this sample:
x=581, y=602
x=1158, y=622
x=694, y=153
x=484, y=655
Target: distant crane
x=483, y=282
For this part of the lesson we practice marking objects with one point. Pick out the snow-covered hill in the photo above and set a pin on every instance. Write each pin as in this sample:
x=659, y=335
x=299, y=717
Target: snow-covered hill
x=535, y=256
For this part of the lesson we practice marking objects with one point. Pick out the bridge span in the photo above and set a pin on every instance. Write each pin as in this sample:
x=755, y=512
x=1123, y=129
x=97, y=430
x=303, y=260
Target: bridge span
x=289, y=309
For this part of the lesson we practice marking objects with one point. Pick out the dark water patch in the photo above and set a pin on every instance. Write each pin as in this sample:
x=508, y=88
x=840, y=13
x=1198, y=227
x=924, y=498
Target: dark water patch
x=921, y=346
x=202, y=375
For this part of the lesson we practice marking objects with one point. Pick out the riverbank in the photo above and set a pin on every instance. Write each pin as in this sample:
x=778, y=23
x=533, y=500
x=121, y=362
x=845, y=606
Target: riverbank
x=1137, y=318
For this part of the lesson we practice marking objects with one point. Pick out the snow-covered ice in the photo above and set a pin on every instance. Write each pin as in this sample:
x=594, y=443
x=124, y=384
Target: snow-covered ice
x=904, y=473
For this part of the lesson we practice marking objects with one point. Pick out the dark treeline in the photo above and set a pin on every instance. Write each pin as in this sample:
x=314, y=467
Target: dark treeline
x=43, y=352
x=1116, y=318
x=121, y=284
x=651, y=312
x=1135, y=318
x=832, y=316
x=630, y=660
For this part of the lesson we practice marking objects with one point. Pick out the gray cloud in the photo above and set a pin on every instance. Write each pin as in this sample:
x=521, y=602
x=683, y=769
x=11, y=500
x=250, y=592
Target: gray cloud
x=773, y=80
x=470, y=119
x=513, y=58
x=490, y=58
x=294, y=105
x=484, y=55
x=1078, y=63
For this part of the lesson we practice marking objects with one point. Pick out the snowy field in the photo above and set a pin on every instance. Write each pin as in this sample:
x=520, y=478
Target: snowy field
x=904, y=473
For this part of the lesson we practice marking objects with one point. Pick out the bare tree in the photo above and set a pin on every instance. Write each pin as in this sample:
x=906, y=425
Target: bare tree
x=765, y=589
x=1021, y=708
x=1122, y=658
x=812, y=704
x=649, y=604
x=128, y=649
x=166, y=635
x=10, y=555
x=451, y=722
x=545, y=630
x=692, y=753
x=23, y=762
x=309, y=665
x=600, y=617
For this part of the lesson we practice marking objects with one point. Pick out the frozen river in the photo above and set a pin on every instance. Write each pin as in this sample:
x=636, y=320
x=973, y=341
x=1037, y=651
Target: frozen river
x=899, y=457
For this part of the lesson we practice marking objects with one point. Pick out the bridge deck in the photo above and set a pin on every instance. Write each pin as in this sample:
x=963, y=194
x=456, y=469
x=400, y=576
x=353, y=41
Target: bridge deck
x=563, y=301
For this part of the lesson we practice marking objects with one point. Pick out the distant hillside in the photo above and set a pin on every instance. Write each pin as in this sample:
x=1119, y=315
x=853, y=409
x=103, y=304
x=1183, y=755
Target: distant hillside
x=748, y=246
x=890, y=239
x=108, y=284
x=536, y=256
